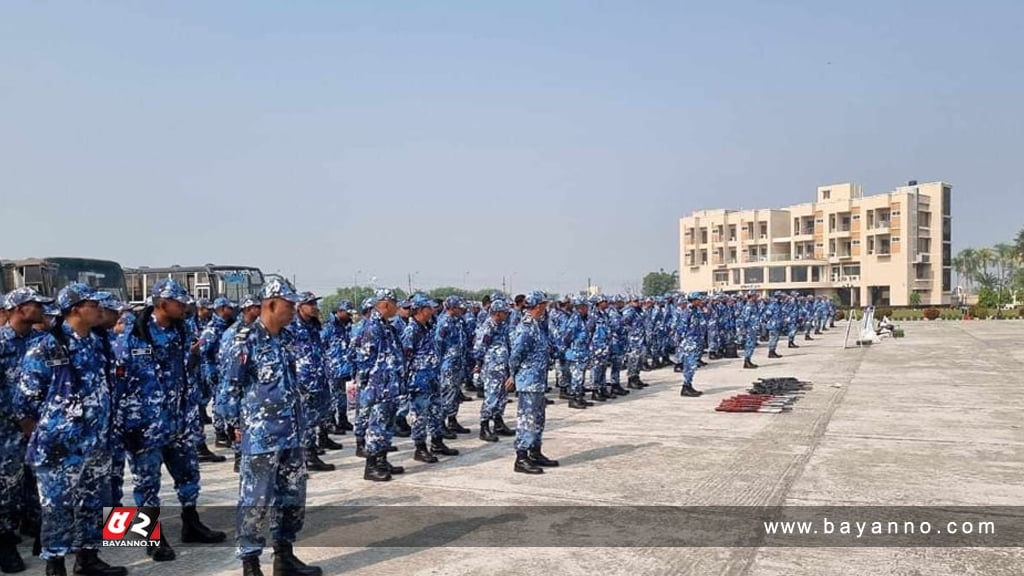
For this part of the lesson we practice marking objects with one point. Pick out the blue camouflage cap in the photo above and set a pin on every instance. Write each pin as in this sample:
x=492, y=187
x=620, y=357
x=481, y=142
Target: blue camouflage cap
x=308, y=298
x=51, y=310
x=25, y=295
x=454, y=301
x=405, y=304
x=110, y=302
x=367, y=304
x=499, y=306
x=169, y=289
x=222, y=302
x=342, y=305
x=383, y=294
x=75, y=293
x=204, y=303
x=598, y=298
x=248, y=301
x=695, y=296
x=278, y=288
x=534, y=299
x=421, y=301
x=580, y=301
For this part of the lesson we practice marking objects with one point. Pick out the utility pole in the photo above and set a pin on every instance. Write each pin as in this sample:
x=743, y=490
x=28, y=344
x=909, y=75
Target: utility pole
x=409, y=277
x=503, y=289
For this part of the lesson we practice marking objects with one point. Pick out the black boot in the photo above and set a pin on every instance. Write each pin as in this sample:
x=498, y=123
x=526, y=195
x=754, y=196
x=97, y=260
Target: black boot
x=55, y=567
x=485, y=432
x=88, y=563
x=193, y=530
x=792, y=345
x=203, y=451
x=251, y=566
x=163, y=552
x=325, y=441
x=360, y=447
x=463, y=397
x=594, y=395
x=471, y=387
x=220, y=439
x=607, y=392
x=501, y=429
x=582, y=399
x=314, y=463
x=423, y=454
x=749, y=364
x=538, y=458
x=341, y=423
x=402, y=428
x=286, y=564
x=394, y=470
x=525, y=465
x=618, y=390
x=577, y=403
x=454, y=426
x=10, y=560
x=375, y=471
x=689, y=392
x=480, y=392
x=437, y=446
x=808, y=337
x=238, y=462
x=204, y=416
x=447, y=433
x=773, y=354
x=632, y=384
x=564, y=394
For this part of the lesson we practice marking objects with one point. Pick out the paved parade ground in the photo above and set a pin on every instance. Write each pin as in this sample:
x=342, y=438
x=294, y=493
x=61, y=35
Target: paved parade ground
x=930, y=420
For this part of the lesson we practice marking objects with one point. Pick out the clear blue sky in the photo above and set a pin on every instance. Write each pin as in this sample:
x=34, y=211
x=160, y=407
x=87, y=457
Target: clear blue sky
x=547, y=141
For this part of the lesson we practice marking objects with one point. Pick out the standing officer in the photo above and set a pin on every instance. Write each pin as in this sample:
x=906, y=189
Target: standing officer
x=249, y=311
x=451, y=345
x=577, y=352
x=156, y=414
x=23, y=308
x=309, y=364
x=337, y=337
x=265, y=408
x=633, y=324
x=423, y=387
x=750, y=327
x=528, y=364
x=64, y=404
x=773, y=320
x=492, y=349
x=688, y=336
x=384, y=365
x=209, y=345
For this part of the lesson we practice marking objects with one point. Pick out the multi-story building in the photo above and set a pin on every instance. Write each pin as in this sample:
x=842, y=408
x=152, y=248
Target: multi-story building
x=860, y=249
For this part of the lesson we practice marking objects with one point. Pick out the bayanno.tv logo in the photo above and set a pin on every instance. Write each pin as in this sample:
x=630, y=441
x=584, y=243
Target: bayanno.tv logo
x=132, y=527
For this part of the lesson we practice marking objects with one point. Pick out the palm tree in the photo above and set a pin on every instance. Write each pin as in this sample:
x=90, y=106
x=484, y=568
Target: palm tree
x=1018, y=245
x=966, y=264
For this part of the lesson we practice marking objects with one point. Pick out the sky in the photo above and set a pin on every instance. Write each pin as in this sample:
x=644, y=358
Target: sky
x=548, y=143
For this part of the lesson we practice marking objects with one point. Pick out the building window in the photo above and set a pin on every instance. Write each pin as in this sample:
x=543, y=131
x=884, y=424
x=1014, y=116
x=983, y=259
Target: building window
x=947, y=279
x=753, y=275
x=721, y=276
x=815, y=273
x=826, y=194
x=736, y=276
x=799, y=273
x=777, y=275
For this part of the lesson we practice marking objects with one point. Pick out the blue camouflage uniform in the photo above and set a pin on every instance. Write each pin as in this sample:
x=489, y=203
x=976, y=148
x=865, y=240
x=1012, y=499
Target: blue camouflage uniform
x=156, y=411
x=209, y=369
x=17, y=484
x=576, y=340
x=310, y=367
x=451, y=346
x=424, y=367
x=337, y=337
x=750, y=327
x=557, y=321
x=790, y=317
x=64, y=389
x=492, y=350
x=687, y=337
x=773, y=321
x=618, y=344
x=360, y=369
x=265, y=402
x=633, y=324
x=600, y=343
x=469, y=326
x=384, y=365
x=528, y=363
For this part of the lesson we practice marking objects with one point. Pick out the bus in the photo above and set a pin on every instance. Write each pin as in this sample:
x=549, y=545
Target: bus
x=207, y=281
x=49, y=275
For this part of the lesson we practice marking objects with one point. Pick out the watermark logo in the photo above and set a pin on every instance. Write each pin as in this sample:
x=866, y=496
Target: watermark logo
x=131, y=527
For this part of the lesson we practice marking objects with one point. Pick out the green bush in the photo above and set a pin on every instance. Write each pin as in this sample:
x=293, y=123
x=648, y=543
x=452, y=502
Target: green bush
x=950, y=314
x=980, y=312
x=880, y=312
x=931, y=313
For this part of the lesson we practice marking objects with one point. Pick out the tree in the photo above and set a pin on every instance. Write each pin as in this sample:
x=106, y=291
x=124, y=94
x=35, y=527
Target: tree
x=915, y=299
x=660, y=282
x=355, y=295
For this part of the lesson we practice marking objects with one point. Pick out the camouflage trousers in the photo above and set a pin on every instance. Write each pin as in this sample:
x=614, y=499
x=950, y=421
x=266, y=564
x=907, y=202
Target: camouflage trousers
x=634, y=358
x=425, y=407
x=179, y=455
x=577, y=377
x=339, y=395
x=495, y=395
x=117, y=458
x=749, y=343
x=72, y=493
x=12, y=465
x=599, y=373
x=275, y=483
x=379, y=423
x=530, y=418
x=563, y=376
x=773, y=339
x=791, y=332
x=615, y=368
x=689, y=355
x=451, y=379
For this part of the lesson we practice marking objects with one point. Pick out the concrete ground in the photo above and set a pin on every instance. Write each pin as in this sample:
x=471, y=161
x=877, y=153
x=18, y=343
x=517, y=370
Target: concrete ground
x=932, y=419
